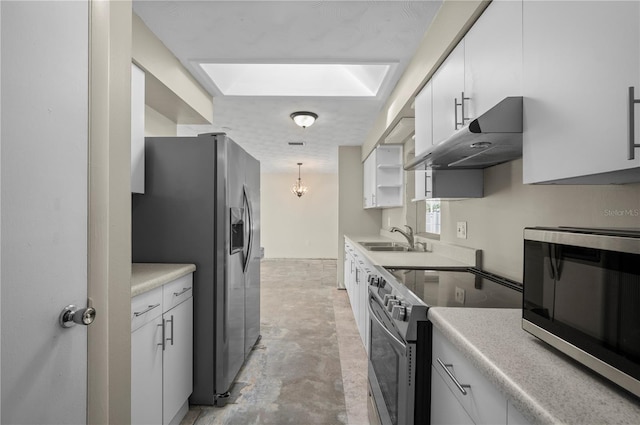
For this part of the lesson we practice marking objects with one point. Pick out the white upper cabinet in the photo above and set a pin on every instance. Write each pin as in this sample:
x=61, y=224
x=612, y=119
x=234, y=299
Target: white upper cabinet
x=493, y=57
x=137, y=129
x=384, y=177
x=424, y=125
x=448, y=86
x=369, y=181
x=580, y=58
x=451, y=184
x=483, y=69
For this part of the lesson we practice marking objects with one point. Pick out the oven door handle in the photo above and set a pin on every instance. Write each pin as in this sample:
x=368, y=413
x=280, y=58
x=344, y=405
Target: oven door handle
x=398, y=345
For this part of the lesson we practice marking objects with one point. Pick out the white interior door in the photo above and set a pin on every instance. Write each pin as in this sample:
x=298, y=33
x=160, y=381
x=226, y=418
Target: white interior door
x=44, y=134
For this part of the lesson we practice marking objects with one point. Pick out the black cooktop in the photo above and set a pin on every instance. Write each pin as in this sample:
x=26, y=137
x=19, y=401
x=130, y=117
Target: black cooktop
x=460, y=288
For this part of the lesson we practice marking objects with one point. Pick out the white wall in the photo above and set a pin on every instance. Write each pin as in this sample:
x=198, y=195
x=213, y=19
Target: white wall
x=495, y=223
x=157, y=125
x=353, y=218
x=293, y=227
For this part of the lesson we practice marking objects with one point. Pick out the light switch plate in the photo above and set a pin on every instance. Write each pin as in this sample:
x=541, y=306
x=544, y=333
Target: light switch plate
x=459, y=295
x=461, y=230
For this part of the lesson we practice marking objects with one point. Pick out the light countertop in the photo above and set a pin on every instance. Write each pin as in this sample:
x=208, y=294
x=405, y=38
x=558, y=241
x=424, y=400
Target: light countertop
x=147, y=276
x=546, y=386
x=440, y=256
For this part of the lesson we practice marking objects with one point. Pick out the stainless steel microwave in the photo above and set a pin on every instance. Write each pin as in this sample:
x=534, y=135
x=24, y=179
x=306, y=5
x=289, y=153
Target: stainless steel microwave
x=581, y=294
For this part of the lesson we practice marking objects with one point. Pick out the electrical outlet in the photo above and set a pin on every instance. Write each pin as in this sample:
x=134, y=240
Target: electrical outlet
x=460, y=295
x=461, y=230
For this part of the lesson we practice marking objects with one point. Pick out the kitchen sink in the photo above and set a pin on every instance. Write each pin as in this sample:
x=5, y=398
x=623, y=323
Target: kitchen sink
x=388, y=248
x=382, y=244
x=385, y=246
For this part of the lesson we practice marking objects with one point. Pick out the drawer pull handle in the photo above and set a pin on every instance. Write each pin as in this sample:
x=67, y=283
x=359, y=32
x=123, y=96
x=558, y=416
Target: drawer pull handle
x=177, y=294
x=140, y=313
x=460, y=386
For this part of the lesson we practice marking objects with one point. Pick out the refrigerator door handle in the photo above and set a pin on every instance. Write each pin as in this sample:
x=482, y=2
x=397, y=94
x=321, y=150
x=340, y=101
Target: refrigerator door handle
x=247, y=199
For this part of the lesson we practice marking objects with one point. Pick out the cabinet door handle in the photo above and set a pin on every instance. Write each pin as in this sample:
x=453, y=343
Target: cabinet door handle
x=460, y=386
x=455, y=112
x=632, y=104
x=163, y=335
x=148, y=309
x=171, y=339
x=461, y=105
x=177, y=294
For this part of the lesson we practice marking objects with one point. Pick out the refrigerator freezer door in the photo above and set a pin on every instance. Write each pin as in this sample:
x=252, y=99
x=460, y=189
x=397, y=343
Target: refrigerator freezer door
x=230, y=341
x=252, y=274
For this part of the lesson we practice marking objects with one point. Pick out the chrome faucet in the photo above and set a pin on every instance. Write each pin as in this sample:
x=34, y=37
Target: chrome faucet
x=408, y=234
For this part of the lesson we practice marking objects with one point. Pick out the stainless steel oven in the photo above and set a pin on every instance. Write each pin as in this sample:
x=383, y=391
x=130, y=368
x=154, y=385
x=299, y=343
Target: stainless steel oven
x=400, y=334
x=391, y=362
x=393, y=372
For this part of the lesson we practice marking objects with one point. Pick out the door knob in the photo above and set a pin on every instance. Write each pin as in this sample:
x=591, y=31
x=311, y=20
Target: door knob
x=72, y=315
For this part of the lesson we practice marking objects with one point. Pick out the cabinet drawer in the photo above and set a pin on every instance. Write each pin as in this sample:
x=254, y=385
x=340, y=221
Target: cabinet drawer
x=483, y=402
x=146, y=307
x=177, y=291
x=445, y=407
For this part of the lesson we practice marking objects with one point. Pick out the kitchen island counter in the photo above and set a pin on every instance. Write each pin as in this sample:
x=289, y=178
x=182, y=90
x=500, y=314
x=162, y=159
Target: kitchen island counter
x=148, y=276
x=546, y=386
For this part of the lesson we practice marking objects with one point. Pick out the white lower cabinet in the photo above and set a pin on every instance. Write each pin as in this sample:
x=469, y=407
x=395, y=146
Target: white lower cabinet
x=445, y=408
x=356, y=275
x=460, y=393
x=146, y=373
x=162, y=353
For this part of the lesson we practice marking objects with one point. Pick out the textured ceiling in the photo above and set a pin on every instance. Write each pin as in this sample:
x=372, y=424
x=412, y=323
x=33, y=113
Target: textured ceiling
x=290, y=32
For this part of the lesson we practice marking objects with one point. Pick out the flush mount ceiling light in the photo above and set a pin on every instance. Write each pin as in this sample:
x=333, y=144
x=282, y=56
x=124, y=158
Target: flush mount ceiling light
x=304, y=119
x=298, y=188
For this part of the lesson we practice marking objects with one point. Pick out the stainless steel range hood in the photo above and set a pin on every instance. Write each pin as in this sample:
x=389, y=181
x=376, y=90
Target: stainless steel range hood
x=492, y=138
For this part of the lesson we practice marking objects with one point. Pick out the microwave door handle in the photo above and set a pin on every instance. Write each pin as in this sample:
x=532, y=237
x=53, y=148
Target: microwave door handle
x=553, y=274
x=558, y=261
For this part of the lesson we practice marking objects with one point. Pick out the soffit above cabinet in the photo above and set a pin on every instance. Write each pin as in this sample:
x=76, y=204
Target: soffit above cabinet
x=401, y=132
x=453, y=20
x=169, y=88
x=164, y=100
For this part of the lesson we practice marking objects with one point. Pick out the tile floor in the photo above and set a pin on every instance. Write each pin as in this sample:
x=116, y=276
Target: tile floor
x=310, y=366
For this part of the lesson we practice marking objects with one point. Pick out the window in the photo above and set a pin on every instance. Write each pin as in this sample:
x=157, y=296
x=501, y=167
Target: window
x=432, y=216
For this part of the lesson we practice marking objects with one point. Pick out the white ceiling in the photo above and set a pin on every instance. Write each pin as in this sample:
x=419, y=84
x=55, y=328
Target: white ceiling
x=290, y=32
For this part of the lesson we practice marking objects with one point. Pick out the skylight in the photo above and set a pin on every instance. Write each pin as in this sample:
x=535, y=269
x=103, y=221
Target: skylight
x=261, y=79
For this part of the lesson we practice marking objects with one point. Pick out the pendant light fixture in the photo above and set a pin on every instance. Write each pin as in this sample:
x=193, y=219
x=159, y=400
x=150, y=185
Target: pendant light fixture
x=298, y=188
x=304, y=119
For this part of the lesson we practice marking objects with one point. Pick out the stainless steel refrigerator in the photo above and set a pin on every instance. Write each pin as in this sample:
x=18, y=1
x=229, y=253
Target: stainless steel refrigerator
x=202, y=205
